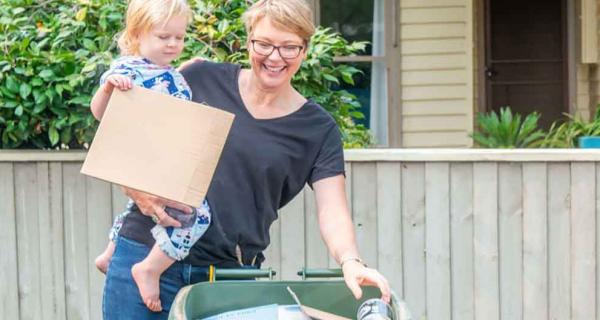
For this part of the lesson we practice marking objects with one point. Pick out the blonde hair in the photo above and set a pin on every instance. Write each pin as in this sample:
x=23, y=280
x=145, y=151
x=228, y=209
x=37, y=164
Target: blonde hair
x=143, y=15
x=291, y=15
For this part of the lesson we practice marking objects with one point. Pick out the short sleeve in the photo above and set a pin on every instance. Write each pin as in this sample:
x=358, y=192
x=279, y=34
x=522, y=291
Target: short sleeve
x=330, y=159
x=119, y=66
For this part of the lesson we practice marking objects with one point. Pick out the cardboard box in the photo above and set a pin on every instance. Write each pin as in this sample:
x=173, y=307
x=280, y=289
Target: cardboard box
x=158, y=144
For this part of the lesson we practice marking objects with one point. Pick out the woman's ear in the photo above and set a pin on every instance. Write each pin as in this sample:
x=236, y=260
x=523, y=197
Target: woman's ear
x=305, y=52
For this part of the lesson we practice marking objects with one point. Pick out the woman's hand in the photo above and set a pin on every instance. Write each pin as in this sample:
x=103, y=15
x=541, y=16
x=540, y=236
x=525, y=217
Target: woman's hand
x=154, y=207
x=356, y=274
x=188, y=63
x=118, y=81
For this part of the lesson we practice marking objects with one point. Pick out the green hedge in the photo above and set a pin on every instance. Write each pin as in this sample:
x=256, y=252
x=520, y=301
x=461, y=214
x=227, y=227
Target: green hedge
x=55, y=51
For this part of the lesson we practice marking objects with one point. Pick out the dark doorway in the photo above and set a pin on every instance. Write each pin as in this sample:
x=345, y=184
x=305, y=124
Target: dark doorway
x=526, y=57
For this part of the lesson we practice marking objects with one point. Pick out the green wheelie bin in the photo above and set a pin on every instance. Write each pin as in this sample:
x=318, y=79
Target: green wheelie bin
x=207, y=299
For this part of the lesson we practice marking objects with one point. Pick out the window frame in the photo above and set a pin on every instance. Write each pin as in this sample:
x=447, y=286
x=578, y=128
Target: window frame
x=391, y=59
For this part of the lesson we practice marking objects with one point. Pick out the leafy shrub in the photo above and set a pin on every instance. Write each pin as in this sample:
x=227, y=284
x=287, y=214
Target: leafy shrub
x=507, y=130
x=55, y=51
x=567, y=133
x=44, y=89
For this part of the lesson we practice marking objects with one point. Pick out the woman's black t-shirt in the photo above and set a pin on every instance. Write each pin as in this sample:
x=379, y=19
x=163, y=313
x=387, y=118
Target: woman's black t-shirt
x=264, y=164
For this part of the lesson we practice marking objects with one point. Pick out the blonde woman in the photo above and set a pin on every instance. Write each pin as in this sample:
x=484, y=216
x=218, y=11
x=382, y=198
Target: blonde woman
x=279, y=142
x=153, y=37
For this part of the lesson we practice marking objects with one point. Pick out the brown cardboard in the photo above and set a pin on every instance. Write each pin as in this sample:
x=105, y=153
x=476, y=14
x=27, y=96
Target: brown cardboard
x=158, y=144
x=315, y=313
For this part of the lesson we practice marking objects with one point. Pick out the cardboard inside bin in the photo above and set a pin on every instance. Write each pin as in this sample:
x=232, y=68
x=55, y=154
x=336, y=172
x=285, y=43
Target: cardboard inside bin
x=315, y=313
x=158, y=144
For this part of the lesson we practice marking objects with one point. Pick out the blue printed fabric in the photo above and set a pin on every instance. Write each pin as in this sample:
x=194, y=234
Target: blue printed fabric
x=144, y=73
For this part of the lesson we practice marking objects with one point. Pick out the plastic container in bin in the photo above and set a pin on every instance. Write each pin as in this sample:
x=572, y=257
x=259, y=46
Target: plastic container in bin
x=589, y=142
x=211, y=298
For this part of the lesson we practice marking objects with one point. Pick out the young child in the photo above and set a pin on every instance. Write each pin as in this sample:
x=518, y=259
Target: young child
x=152, y=39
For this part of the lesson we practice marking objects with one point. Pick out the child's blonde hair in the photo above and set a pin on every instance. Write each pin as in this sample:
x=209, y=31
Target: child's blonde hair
x=143, y=15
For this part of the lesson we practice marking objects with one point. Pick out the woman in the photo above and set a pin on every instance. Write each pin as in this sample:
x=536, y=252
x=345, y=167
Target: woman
x=279, y=142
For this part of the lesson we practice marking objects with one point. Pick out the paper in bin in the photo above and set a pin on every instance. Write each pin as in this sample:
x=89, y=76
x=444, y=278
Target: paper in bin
x=267, y=312
x=256, y=313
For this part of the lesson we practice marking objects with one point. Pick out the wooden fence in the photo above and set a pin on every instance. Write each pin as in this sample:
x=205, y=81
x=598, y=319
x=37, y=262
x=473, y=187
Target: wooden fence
x=460, y=234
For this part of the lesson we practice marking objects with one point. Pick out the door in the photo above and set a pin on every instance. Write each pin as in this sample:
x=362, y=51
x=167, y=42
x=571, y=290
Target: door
x=526, y=57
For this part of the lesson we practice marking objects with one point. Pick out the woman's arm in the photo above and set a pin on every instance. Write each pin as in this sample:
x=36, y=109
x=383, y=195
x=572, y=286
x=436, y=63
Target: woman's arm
x=102, y=95
x=337, y=231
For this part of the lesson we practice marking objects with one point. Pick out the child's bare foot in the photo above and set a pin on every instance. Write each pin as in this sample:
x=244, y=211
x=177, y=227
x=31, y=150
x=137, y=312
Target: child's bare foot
x=147, y=281
x=103, y=260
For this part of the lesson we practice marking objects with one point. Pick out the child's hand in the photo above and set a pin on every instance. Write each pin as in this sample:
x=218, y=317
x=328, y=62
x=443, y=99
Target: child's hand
x=118, y=81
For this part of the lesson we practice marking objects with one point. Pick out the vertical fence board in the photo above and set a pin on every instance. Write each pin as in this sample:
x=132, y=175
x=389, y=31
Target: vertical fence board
x=118, y=200
x=389, y=223
x=76, y=246
x=364, y=204
x=583, y=236
x=99, y=221
x=510, y=232
x=535, y=233
x=485, y=234
x=413, y=238
x=28, y=243
x=597, y=214
x=58, y=231
x=9, y=272
x=316, y=252
x=559, y=241
x=45, y=240
x=461, y=234
x=348, y=182
x=292, y=231
x=437, y=235
x=273, y=251
x=51, y=240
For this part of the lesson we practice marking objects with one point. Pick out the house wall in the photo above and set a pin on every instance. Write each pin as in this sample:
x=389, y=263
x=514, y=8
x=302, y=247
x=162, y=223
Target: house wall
x=588, y=74
x=442, y=59
x=436, y=72
x=594, y=84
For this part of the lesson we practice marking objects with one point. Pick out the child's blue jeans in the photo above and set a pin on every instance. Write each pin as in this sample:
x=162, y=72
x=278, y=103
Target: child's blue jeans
x=121, y=298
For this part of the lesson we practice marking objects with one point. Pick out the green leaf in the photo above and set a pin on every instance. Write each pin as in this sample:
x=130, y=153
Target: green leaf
x=25, y=90
x=66, y=135
x=89, y=45
x=39, y=107
x=19, y=111
x=81, y=14
x=347, y=77
x=17, y=11
x=53, y=136
x=36, y=82
x=330, y=78
x=12, y=85
x=46, y=74
x=82, y=100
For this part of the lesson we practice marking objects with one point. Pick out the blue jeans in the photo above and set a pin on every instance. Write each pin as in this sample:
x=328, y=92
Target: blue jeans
x=122, y=300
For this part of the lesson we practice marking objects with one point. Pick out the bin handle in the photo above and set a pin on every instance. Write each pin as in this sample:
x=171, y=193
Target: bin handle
x=320, y=273
x=228, y=274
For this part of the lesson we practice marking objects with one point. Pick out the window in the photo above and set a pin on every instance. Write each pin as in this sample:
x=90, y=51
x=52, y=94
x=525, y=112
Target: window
x=363, y=20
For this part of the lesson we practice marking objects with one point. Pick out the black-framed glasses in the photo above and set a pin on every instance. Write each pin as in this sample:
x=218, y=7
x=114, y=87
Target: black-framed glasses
x=289, y=51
